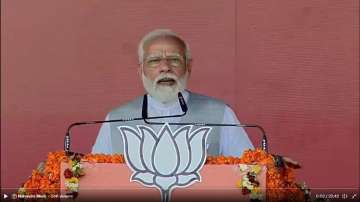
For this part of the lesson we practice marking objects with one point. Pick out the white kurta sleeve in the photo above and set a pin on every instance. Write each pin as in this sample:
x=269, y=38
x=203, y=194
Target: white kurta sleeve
x=103, y=140
x=233, y=140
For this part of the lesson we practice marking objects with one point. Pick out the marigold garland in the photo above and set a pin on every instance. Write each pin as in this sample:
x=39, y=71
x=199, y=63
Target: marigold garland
x=280, y=182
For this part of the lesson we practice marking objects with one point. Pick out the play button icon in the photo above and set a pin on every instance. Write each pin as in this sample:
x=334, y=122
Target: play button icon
x=5, y=196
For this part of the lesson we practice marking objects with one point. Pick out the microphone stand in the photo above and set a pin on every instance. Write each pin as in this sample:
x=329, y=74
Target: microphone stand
x=264, y=143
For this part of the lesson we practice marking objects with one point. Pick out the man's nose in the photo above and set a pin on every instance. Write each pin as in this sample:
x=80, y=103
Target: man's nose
x=164, y=67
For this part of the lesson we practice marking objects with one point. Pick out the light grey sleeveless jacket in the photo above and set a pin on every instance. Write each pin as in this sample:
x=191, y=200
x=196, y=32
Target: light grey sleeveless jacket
x=201, y=109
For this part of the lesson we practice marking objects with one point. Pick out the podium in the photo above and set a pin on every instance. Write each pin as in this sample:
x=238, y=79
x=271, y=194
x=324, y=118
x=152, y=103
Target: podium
x=107, y=178
x=108, y=181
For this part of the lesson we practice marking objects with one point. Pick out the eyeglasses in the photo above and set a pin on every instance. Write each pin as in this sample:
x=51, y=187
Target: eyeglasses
x=172, y=61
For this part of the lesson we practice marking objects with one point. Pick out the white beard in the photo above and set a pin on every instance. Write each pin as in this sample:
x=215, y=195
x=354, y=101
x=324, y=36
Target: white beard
x=162, y=93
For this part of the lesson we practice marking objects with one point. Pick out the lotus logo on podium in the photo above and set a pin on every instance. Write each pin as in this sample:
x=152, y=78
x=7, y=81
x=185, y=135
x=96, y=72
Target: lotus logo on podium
x=167, y=159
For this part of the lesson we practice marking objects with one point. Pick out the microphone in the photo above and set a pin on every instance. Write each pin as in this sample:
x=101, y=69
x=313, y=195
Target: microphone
x=182, y=103
x=67, y=139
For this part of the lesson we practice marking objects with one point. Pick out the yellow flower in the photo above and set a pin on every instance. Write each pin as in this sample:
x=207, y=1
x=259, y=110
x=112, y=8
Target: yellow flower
x=256, y=190
x=73, y=180
x=239, y=184
x=256, y=169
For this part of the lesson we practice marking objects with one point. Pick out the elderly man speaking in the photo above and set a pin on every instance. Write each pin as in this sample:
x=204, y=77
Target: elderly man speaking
x=165, y=67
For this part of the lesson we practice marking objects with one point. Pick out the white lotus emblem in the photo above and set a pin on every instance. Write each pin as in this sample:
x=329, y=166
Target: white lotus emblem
x=165, y=160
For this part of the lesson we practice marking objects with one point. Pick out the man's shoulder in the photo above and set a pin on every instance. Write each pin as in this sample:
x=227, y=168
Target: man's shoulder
x=131, y=106
x=200, y=97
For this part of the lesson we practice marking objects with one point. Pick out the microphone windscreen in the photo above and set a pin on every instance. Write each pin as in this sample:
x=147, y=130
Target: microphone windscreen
x=182, y=103
x=144, y=107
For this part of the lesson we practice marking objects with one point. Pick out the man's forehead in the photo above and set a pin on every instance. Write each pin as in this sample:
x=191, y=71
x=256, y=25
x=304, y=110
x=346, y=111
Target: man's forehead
x=164, y=44
x=163, y=53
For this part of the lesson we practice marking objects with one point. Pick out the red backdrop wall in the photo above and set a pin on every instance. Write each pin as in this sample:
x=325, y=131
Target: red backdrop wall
x=290, y=66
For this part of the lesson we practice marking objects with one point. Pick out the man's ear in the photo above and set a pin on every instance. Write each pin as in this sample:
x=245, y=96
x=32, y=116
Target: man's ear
x=140, y=71
x=189, y=66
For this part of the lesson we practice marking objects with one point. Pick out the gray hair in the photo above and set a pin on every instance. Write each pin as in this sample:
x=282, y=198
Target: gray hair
x=157, y=33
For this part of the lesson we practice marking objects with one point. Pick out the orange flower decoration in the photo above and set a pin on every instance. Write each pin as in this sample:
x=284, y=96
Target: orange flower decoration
x=48, y=181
